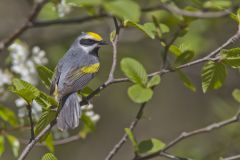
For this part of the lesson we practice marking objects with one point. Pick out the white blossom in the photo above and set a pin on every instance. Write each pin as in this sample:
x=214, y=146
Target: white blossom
x=23, y=63
x=63, y=8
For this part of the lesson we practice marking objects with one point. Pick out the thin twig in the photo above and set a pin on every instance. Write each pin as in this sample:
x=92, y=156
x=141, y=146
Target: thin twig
x=29, y=108
x=125, y=136
x=162, y=72
x=35, y=11
x=185, y=135
x=114, y=44
x=232, y=157
x=29, y=146
x=196, y=14
x=77, y=20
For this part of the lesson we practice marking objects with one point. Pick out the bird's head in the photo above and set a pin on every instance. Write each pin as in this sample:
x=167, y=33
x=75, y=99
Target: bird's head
x=90, y=41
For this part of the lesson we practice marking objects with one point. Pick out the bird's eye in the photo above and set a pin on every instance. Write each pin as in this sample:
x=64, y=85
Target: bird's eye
x=87, y=42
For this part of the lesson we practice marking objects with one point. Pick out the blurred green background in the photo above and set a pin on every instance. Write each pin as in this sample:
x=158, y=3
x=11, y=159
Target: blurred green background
x=172, y=110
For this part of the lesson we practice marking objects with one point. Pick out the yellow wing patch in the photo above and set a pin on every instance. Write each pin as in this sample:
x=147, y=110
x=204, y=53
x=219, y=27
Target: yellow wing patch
x=91, y=69
x=95, y=35
x=55, y=93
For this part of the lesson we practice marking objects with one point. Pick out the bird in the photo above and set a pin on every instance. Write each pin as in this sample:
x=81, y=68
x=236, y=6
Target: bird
x=73, y=72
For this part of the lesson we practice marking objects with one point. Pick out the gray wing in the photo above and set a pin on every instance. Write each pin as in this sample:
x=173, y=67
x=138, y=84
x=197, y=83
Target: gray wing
x=55, y=79
x=74, y=81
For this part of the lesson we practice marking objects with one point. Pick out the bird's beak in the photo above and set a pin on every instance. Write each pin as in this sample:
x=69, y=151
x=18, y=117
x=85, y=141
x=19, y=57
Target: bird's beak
x=103, y=43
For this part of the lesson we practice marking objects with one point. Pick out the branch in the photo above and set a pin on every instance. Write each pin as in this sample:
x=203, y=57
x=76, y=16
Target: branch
x=34, y=13
x=125, y=136
x=197, y=14
x=114, y=44
x=29, y=108
x=77, y=20
x=31, y=22
x=185, y=135
x=232, y=157
x=169, y=8
x=29, y=147
x=162, y=72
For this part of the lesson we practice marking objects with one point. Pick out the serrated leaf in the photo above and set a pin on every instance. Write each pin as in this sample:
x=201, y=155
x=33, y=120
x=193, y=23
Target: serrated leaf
x=8, y=115
x=231, y=57
x=150, y=146
x=139, y=94
x=14, y=143
x=236, y=94
x=81, y=3
x=213, y=75
x=46, y=101
x=49, y=142
x=2, y=146
x=49, y=156
x=186, y=81
x=148, y=28
x=45, y=75
x=118, y=8
x=49, y=11
x=131, y=138
x=46, y=117
x=24, y=89
x=217, y=4
x=184, y=57
x=134, y=70
x=155, y=80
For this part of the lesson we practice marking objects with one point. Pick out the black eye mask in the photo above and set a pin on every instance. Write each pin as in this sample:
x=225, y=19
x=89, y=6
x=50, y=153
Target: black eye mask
x=87, y=42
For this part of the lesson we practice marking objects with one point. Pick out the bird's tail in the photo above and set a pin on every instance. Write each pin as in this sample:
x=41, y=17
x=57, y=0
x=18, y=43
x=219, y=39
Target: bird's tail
x=68, y=117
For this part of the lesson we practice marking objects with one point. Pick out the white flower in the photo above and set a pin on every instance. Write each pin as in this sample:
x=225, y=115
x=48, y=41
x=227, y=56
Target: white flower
x=87, y=107
x=5, y=77
x=20, y=102
x=63, y=8
x=95, y=118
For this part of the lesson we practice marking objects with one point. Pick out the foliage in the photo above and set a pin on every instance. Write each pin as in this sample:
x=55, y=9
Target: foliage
x=166, y=24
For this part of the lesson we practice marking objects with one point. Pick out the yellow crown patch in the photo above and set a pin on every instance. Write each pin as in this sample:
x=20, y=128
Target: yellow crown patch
x=95, y=35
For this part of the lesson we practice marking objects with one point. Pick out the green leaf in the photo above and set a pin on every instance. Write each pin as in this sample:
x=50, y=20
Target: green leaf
x=45, y=75
x=49, y=156
x=231, y=57
x=46, y=101
x=48, y=12
x=175, y=50
x=155, y=80
x=24, y=89
x=150, y=146
x=217, y=4
x=131, y=138
x=148, y=28
x=49, y=142
x=86, y=91
x=134, y=70
x=213, y=75
x=81, y=3
x=186, y=81
x=139, y=94
x=125, y=9
x=236, y=17
x=46, y=117
x=184, y=57
x=2, y=147
x=236, y=94
x=14, y=143
x=8, y=115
